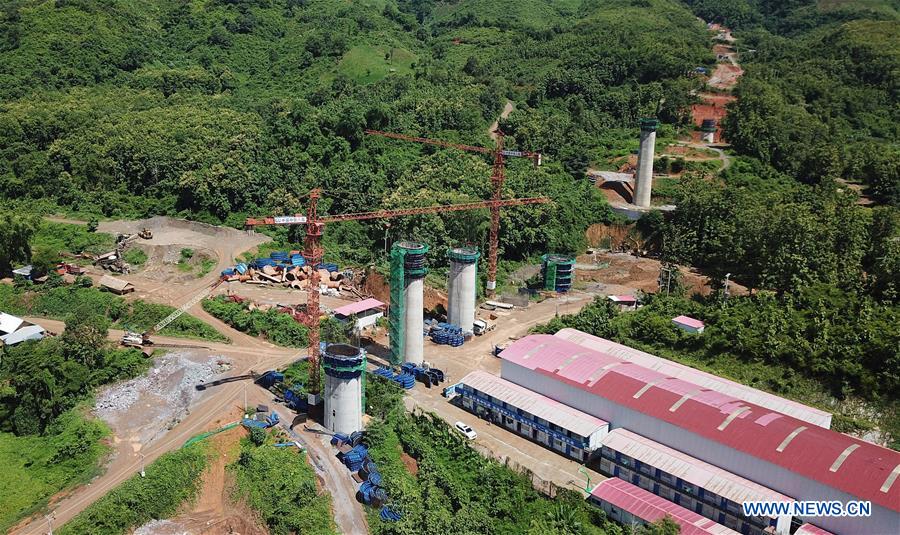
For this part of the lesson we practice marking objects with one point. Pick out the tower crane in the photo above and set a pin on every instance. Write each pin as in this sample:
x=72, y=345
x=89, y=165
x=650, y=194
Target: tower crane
x=498, y=176
x=136, y=339
x=313, y=252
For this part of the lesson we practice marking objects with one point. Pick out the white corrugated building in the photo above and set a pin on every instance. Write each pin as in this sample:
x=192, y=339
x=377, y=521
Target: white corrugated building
x=701, y=487
x=556, y=426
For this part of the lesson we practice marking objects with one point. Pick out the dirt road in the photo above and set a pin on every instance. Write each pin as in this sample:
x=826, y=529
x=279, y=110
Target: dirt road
x=507, y=109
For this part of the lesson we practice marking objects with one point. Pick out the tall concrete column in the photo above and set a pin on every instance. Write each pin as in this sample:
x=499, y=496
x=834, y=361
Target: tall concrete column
x=643, y=179
x=414, y=297
x=344, y=365
x=461, y=287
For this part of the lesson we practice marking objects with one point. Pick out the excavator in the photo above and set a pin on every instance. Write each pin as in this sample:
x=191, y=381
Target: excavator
x=139, y=340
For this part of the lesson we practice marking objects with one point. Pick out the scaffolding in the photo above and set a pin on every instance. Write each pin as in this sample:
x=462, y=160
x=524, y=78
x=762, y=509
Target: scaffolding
x=397, y=310
x=557, y=271
x=407, y=263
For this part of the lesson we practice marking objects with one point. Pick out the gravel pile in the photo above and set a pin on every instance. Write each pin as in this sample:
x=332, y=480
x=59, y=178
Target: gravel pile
x=160, y=527
x=149, y=404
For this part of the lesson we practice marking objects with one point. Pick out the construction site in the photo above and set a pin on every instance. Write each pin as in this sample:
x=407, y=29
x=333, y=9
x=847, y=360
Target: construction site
x=421, y=339
x=568, y=411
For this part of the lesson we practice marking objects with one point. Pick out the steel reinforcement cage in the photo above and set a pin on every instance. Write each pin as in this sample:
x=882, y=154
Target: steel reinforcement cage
x=557, y=271
x=402, y=268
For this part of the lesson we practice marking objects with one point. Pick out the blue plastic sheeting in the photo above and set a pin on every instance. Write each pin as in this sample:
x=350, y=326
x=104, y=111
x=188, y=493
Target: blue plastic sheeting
x=279, y=256
x=337, y=437
x=294, y=401
x=389, y=515
x=405, y=380
x=270, y=378
x=298, y=260
x=328, y=266
x=241, y=268
x=228, y=272
x=250, y=424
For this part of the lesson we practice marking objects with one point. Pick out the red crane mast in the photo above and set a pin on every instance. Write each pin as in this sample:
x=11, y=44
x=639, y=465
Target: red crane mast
x=498, y=176
x=313, y=251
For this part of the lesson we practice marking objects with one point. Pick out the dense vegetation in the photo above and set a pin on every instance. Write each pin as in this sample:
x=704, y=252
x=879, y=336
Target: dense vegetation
x=36, y=467
x=816, y=345
x=772, y=233
x=818, y=99
x=457, y=490
x=46, y=443
x=58, y=302
x=281, y=486
x=217, y=110
x=170, y=481
x=278, y=327
x=43, y=379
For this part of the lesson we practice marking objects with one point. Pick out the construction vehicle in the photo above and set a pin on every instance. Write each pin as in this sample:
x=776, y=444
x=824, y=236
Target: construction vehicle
x=481, y=326
x=136, y=339
x=313, y=253
x=131, y=338
x=146, y=233
x=498, y=176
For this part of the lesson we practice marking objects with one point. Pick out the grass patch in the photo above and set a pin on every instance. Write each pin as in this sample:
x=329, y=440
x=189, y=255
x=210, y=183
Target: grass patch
x=369, y=63
x=58, y=303
x=135, y=256
x=35, y=468
x=170, y=481
x=280, y=485
x=206, y=266
x=70, y=238
x=276, y=326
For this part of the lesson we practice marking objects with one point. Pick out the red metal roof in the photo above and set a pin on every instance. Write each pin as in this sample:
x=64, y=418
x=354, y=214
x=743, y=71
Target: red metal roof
x=359, y=306
x=860, y=468
x=692, y=375
x=688, y=321
x=650, y=507
x=809, y=529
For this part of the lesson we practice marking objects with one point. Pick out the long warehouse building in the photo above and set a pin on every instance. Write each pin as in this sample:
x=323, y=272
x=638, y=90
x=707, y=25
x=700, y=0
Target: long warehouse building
x=561, y=428
x=634, y=506
x=700, y=378
x=691, y=483
x=791, y=456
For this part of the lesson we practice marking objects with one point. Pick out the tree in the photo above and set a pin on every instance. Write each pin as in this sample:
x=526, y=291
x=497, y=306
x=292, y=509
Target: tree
x=257, y=436
x=663, y=526
x=16, y=231
x=43, y=260
x=92, y=224
x=84, y=339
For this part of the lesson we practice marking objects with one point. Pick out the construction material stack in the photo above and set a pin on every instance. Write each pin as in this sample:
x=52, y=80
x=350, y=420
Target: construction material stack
x=461, y=287
x=557, y=271
x=345, y=367
x=405, y=319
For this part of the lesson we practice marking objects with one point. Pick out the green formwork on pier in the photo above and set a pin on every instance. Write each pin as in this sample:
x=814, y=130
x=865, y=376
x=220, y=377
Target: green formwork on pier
x=397, y=310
